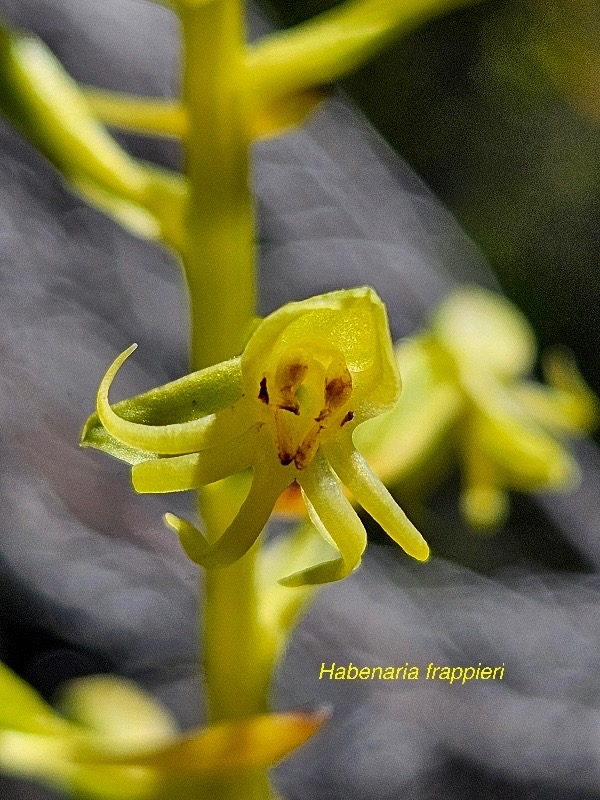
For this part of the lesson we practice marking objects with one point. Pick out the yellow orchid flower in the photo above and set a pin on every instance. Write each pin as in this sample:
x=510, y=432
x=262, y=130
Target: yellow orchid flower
x=465, y=387
x=287, y=408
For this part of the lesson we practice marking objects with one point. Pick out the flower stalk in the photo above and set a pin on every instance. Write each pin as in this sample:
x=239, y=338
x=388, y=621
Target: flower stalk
x=218, y=257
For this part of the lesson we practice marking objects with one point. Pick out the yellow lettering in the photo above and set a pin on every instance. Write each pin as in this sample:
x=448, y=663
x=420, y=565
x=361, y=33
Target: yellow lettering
x=326, y=671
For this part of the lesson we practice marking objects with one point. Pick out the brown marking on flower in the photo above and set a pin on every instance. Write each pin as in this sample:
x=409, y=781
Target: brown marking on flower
x=285, y=458
x=263, y=393
x=293, y=407
x=323, y=414
x=308, y=447
x=349, y=416
x=286, y=447
x=293, y=376
x=338, y=390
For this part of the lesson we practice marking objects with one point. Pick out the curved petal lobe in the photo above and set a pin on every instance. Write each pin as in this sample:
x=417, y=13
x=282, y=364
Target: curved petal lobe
x=332, y=514
x=245, y=528
x=190, y=471
x=174, y=439
x=369, y=491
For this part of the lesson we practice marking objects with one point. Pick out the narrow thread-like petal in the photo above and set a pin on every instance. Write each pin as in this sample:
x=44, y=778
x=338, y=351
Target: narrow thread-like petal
x=369, y=491
x=525, y=455
x=333, y=516
x=244, y=530
x=192, y=541
x=483, y=501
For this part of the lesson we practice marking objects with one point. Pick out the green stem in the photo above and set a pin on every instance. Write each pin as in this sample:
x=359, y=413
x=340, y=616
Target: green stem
x=234, y=670
x=218, y=254
x=219, y=261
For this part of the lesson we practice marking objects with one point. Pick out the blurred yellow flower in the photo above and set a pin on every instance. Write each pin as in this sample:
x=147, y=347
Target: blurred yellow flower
x=465, y=388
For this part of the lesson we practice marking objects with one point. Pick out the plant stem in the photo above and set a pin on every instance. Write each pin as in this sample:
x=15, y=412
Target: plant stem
x=219, y=251
x=234, y=651
x=219, y=261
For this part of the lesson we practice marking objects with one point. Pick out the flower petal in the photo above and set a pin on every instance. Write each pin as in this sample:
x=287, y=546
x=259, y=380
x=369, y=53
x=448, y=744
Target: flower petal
x=352, y=322
x=245, y=529
x=402, y=441
x=333, y=516
x=483, y=501
x=118, y=710
x=175, y=438
x=482, y=329
x=193, y=542
x=569, y=405
x=369, y=491
x=525, y=456
x=180, y=473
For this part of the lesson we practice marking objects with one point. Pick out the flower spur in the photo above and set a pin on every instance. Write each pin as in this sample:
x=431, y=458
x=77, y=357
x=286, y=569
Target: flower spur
x=286, y=408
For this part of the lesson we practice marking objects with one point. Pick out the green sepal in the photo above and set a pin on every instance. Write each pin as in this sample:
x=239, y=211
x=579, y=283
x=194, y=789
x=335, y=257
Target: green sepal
x=191, y=397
